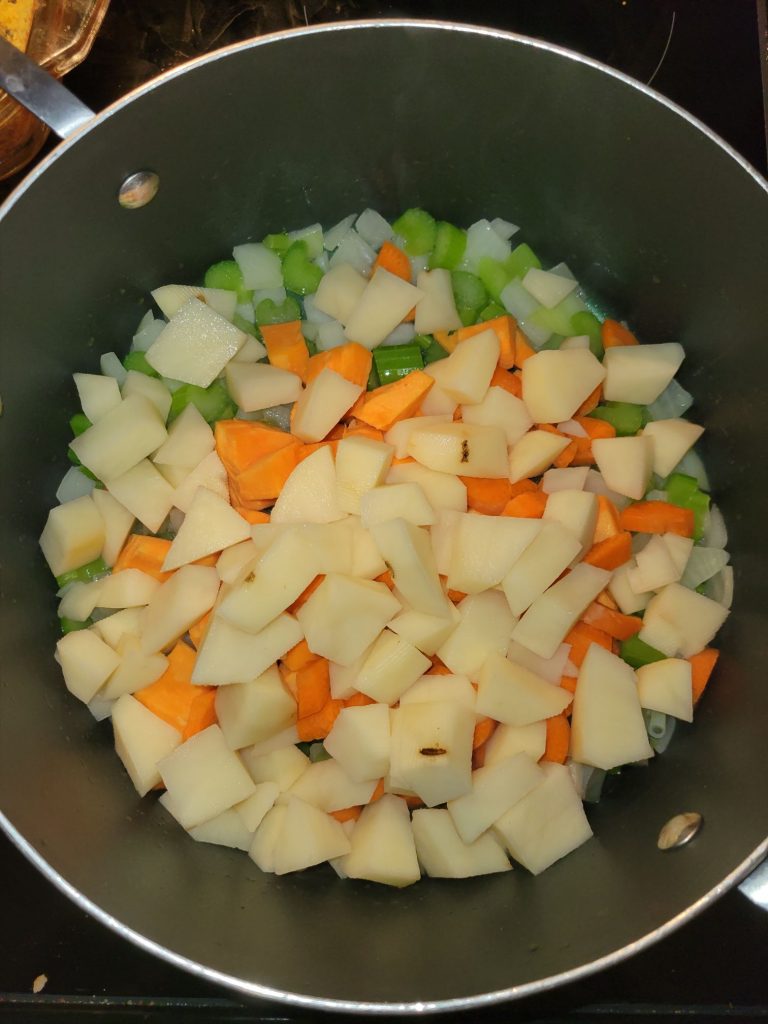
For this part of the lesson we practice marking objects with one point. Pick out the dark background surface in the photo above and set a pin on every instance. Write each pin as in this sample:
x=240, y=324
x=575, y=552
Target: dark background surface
x=708, y=56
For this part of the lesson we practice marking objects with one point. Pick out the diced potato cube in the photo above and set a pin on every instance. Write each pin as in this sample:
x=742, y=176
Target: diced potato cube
x=135, y=671
x=443, y=490
x=141, y=741
x=495, y=788
x=427, y=632
x=575, y=510
x=391, y=667
x=209, y=473
x=384, y=302
x=678, y=621
x=253, y=809
x=464, y=449
x=431, y=752
x=383, y=849
x=513, y=694
x=310, y=494
x=535, y=452
x=322, y=404
x=359, y=742
x=556, y=383
x=118, y=522
x=121, y=438
x=265, y=838
x=486, y=625
x=253, y=711
x=171, y=297
x=189, y=440
x=226, y=829
x=179, y=603
x=407, y=551
x=443, y=853
x=485, y=548
x=128, y=588
x=150, y=388
x=282, y=766
x=436, y=309
x=257, y=386
x=86, y=662
x=327, y=786
x=361, y=465
x=210, y=525
x=73, y=535
x=396, y=501
x=548, y=555
x=308, y=836
x=97, y=393
x=625, y=462
x=195, y=345
x=228, y=655
x=666, y=686
x=639, y=373
x=508, y=740
x=466, y=373
x=144, y=492
x=671, y=440
x=499, y=408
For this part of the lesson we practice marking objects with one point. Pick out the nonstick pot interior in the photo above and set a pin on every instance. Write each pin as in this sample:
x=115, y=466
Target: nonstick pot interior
x=663, y=224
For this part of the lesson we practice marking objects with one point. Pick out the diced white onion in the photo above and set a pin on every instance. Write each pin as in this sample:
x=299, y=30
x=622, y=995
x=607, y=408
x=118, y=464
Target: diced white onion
x=309, y=329
x=504, y=228
x=312, y=313
x=112, y=367
x=277, y=295
x=372, y=227
x=147, y=332
x=73, y=485
x=401, y=335
x=571, y=427
x=355, y=250
x=245, y=310
x=517, y=301
x=580, y=773
x=692, y=465
x=597, y=485
x=720, y=587
x=322, y=261
x=703, y=563
x=537, y=336
x=656, y=495
x=673, y=402
x=715, y=532
x=563, y=270
x=312, y=236
x=100, y=708
x=276, y=416
x=330, y=335
x=334, y=235
x=483, y=243
x=418, y=263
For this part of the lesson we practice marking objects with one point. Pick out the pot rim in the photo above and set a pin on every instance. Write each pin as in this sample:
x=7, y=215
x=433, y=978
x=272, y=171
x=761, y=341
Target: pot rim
x=253, y=989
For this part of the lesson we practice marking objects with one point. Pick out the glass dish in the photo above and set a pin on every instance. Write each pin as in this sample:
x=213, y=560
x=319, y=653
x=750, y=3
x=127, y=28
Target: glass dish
x=57, y=35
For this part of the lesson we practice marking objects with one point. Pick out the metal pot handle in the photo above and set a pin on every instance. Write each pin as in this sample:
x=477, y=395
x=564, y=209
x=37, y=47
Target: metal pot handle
x=40, y=93
x=755, y=886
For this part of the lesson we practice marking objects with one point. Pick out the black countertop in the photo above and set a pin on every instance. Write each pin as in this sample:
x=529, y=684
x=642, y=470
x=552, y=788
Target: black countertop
x=706, y=55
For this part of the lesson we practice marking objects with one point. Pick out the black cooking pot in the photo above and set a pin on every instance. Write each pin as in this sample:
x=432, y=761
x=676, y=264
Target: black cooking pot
x=659, y=219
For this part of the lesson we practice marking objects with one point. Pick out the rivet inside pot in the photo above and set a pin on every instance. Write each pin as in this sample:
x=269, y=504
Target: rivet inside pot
x=138, y=189
x=679, y=830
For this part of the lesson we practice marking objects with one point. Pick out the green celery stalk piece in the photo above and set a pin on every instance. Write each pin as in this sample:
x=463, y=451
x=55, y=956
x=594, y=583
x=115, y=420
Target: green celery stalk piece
x=637, y=653
x=373, y=379
x=494, y=275
x=624, y=417
x=245, y=325
x=553, y=342
x=520, y=261
x=311, y=347
x=137, y=361
x=279, y=243
x=587, y=323
x=450, y=243
x=300, y=274
x=680, y=487
x=469, y=292
x=418, y=230
x=269, y=312
x=227, y=275
x=72, y=625
x=79, y=423
x=491, y=311
x=213, y=403
x=84, y=573
x=434, y=353
x=395, y=361
x=552, y=320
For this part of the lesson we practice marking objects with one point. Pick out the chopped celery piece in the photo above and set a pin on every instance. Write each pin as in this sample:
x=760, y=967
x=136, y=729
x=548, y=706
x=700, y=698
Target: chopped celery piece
x=317, y=752
x=684, y=491
x=91, y=476
x=418, y=229
x=311, y=346
x=300, y=274
x=373, y=379
x=637, y=653
x=244, y=325
x=395, y=361
x=468, y=291
x=434, y=353
x=72, y=625
x=450, y=243
x=624, y=417
x=280, y=243
x=680, y=487
x=213, y=403
x=84, y=573
x=553, y=341
x=491, y=311
x=79, y=423
x=466, y=315
x=270, y=312
x=587, y=323
x=227, y=275
x=551, y=320
x=138, y=361
x=520, y=261
x=423, y=341
x=494, y=275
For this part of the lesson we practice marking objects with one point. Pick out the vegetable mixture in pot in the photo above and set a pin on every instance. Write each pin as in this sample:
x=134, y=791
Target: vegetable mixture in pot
x=383, y=547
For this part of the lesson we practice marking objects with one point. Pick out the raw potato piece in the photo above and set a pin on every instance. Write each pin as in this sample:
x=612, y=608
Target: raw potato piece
x=135, y=671
x=678, y=621
x=327, y=786
x=253, y=810
x=339, y=291
x=607, y=726
x=171, y=297
x=383, y=848
x=226, y=829
x=625, y=462
x=499, y=408
x=407, y=551
x=436, y=309
x=576, y=511
x=359, y=741
x=210, y=525
x=495, y=788
x=443, y=854
x=431, y=751
x=254, y=711
x=281, y=766
x=556, y=383
x=666, y=686
x=361, y=465
x=547, y=287
x=73, y=535
x=265, y=838
x=118, y=522
x=671, y=440
x=391, y=667
x=310, y=494
x=141, y=741
x=513, y=694
x=547, y=823
x=150, y=388
x=399, y=434
x=466, y=373
x=257, y=386
x=307, y=837
x=195, y=345
x=209, y=473
x=508, y=740
x=97, y=393
x=345, y=615
x=86, y=663
x=121, y=438
x=485, y=548
x=189, y=440
x=385, y=301
x=639, y=373
x=144, y=492
x=179, y=603
x=204, y=777
x=396, y=501
x=228, y=655
x=443, y=490
x=427, y=632
x=464, y=449
x=441, y=688
x=322, y=404
x=548, y=555
x=486, y=625
x=535, y=452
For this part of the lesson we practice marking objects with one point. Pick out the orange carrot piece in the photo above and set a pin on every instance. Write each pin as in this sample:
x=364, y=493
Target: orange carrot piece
x=569, y=683
x=504, y=328
x=386, y=578
x=317, y=726
x=614, y=334
x=348, y=813
x=356, y=429
x=558, y=739
x=358, y=700
x=414, y=802
x=487, y=495
x=581, y=637
x=702, y=665
x=607, y=524
x=313, y=687
x=528, y=505
x=286, y=347
x=378, y=793
x=264, y=478
x=298, y=657
x=614, y=623
x=306, y=594
x=611, y=552
x=484, y=729
x=351, y=361
x=240, y=443
x=394, y=260
x=385, y=405
x=591, y=401
x=605, y=599
x=175, y=699
x=197, y=630
x=144, y=553
x=509, y=381
x=594, y=427
x=523, y=348
x=566, y=456
x=252, y=515
x=657, y=517
x=524, y=486
x=438, y=668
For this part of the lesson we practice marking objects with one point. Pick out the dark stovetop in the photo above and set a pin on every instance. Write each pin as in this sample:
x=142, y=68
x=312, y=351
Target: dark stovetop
x=708, y=56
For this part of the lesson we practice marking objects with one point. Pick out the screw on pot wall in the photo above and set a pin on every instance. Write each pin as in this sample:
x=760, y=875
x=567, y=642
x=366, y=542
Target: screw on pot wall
x=679, y=830
x=138, y=189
